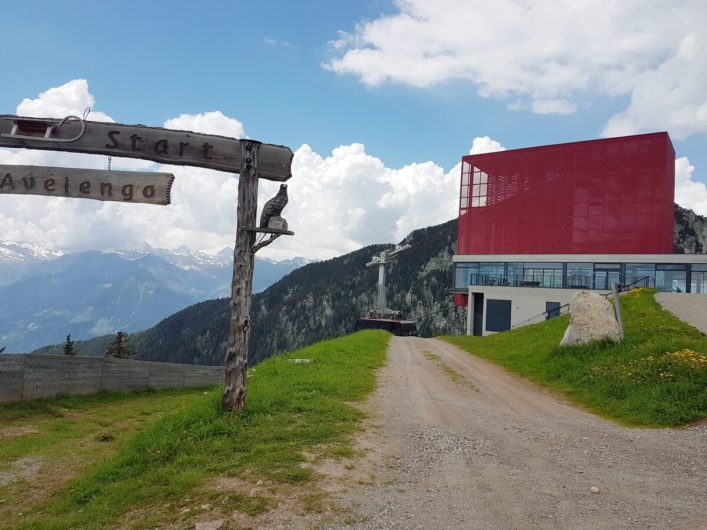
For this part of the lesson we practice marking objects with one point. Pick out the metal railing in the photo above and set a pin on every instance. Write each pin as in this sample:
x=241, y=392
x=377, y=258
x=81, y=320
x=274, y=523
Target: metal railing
x=549, y=281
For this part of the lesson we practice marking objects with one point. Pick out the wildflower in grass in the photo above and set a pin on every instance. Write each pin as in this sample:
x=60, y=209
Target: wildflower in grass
x=687, y=357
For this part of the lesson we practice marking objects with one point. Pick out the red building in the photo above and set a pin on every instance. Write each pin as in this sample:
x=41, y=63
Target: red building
x=536, y=224
x=611, y=196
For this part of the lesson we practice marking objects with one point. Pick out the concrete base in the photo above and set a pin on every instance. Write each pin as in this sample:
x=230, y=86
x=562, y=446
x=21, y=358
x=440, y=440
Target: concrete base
x=528, y=304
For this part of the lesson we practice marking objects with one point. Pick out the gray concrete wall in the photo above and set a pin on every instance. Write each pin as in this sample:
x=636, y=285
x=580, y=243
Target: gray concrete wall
x=25, y=377
x=527, y=303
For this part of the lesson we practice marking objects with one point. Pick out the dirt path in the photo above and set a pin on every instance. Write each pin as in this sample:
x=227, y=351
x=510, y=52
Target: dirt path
x=692, y=308
x=456, y=442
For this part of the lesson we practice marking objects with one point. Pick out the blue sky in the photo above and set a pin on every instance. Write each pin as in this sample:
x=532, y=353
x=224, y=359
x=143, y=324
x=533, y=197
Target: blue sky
x=402, y=90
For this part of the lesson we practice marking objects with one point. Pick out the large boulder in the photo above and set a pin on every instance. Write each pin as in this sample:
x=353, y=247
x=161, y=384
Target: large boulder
x=591, y=318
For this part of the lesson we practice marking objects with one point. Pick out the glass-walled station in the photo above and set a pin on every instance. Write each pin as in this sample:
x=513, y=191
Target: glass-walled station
x=670, y=277
x=538, y=224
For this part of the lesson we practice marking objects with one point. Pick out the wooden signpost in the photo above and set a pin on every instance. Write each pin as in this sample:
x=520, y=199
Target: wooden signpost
x=101, y=185
x=251, y=159
x=182, y=148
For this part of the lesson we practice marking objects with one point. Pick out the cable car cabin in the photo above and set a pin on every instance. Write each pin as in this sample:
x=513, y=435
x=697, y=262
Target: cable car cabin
x=402, y=328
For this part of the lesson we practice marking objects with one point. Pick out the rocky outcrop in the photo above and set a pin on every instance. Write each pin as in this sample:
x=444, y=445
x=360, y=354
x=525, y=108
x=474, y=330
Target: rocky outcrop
x=592, y=318
x=690, y=232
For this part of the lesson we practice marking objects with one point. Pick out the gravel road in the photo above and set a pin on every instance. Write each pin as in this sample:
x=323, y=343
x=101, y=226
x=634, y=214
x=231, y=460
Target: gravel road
x=456, y=442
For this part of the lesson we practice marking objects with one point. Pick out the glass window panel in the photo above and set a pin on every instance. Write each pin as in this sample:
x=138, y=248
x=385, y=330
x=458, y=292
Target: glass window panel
x=492, y=273
x=484, y=178
x=638, y=271
x=580, y=275
x=482, y=189
x=465, y=203
x=465, y=274
x=474, y=202
x=698, y=283
x=699, y=266
x=670, y=280
x=640, y=268
x=669, y=267
x=482, y=200
x=515, y=268
x=543, y=265
x=476, y=190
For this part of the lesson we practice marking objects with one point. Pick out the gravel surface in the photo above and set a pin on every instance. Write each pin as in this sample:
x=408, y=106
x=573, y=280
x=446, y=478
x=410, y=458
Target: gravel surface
x=502, y=453
x=692, y=308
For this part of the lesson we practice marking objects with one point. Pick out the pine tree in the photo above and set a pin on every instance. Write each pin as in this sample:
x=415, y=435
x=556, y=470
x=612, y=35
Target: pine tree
x=119, y=348
x=69, y=346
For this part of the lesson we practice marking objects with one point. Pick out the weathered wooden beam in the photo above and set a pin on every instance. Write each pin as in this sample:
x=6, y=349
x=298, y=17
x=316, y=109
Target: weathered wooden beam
x=167, y=146
x=101, y=185
x=236, y=364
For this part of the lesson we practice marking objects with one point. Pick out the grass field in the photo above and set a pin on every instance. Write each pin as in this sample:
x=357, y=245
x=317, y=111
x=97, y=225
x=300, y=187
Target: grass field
x=151, y=460
x=656, y=377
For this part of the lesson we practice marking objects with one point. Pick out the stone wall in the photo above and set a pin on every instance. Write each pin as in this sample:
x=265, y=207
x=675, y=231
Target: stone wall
x=26, y=377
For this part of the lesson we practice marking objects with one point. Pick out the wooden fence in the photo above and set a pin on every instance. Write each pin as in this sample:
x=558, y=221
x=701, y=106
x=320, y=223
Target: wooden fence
x=25, y=377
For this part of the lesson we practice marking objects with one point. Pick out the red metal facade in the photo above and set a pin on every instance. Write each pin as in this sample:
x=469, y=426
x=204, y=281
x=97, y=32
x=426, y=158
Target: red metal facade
x=610, y=196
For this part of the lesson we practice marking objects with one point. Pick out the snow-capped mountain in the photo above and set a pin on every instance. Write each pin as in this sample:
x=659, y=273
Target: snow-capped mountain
x=47, y=295
x=18, y=259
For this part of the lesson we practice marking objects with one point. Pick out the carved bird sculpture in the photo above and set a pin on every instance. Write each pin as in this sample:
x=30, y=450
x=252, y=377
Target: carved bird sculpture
x=274, y=206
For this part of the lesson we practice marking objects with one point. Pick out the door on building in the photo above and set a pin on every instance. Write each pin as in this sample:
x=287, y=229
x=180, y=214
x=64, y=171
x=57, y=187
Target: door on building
x=606, y=275
x=552, y=309
x=498, y=315
x=478, y=321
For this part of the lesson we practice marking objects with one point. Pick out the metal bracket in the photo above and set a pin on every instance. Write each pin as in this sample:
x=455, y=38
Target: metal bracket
x=34, y=125
x=274, y=234
x=277, y=231
x=265, y=243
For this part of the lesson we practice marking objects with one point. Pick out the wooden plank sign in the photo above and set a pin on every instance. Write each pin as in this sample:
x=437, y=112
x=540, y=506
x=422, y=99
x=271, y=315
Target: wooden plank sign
x=168, y=146
x=101, y=185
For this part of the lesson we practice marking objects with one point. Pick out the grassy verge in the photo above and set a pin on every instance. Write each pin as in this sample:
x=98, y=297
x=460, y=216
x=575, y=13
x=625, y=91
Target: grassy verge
x=656, y=377
x=43, y=444
x=292, y=408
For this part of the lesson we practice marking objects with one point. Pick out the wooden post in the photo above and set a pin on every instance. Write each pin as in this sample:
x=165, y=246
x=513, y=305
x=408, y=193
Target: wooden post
x=617, y=310
x=242, y=286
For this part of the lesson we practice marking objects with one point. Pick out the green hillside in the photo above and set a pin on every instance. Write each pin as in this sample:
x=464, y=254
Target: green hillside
x=156, y=459
x=656, y=377
x=316, y=302
x=323, y=300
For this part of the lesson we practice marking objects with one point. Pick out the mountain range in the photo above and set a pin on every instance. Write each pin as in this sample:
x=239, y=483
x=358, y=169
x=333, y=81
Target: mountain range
x=324, y=299
x=48, y=295
x=316, y=301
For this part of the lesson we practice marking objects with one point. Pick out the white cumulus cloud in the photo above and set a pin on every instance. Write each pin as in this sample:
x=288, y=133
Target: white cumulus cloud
x=546, y=55
x=484, y=144
x=72, y=98
x=338, y=202
x=208, y=123
x=688, y=192
x=553, y=106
